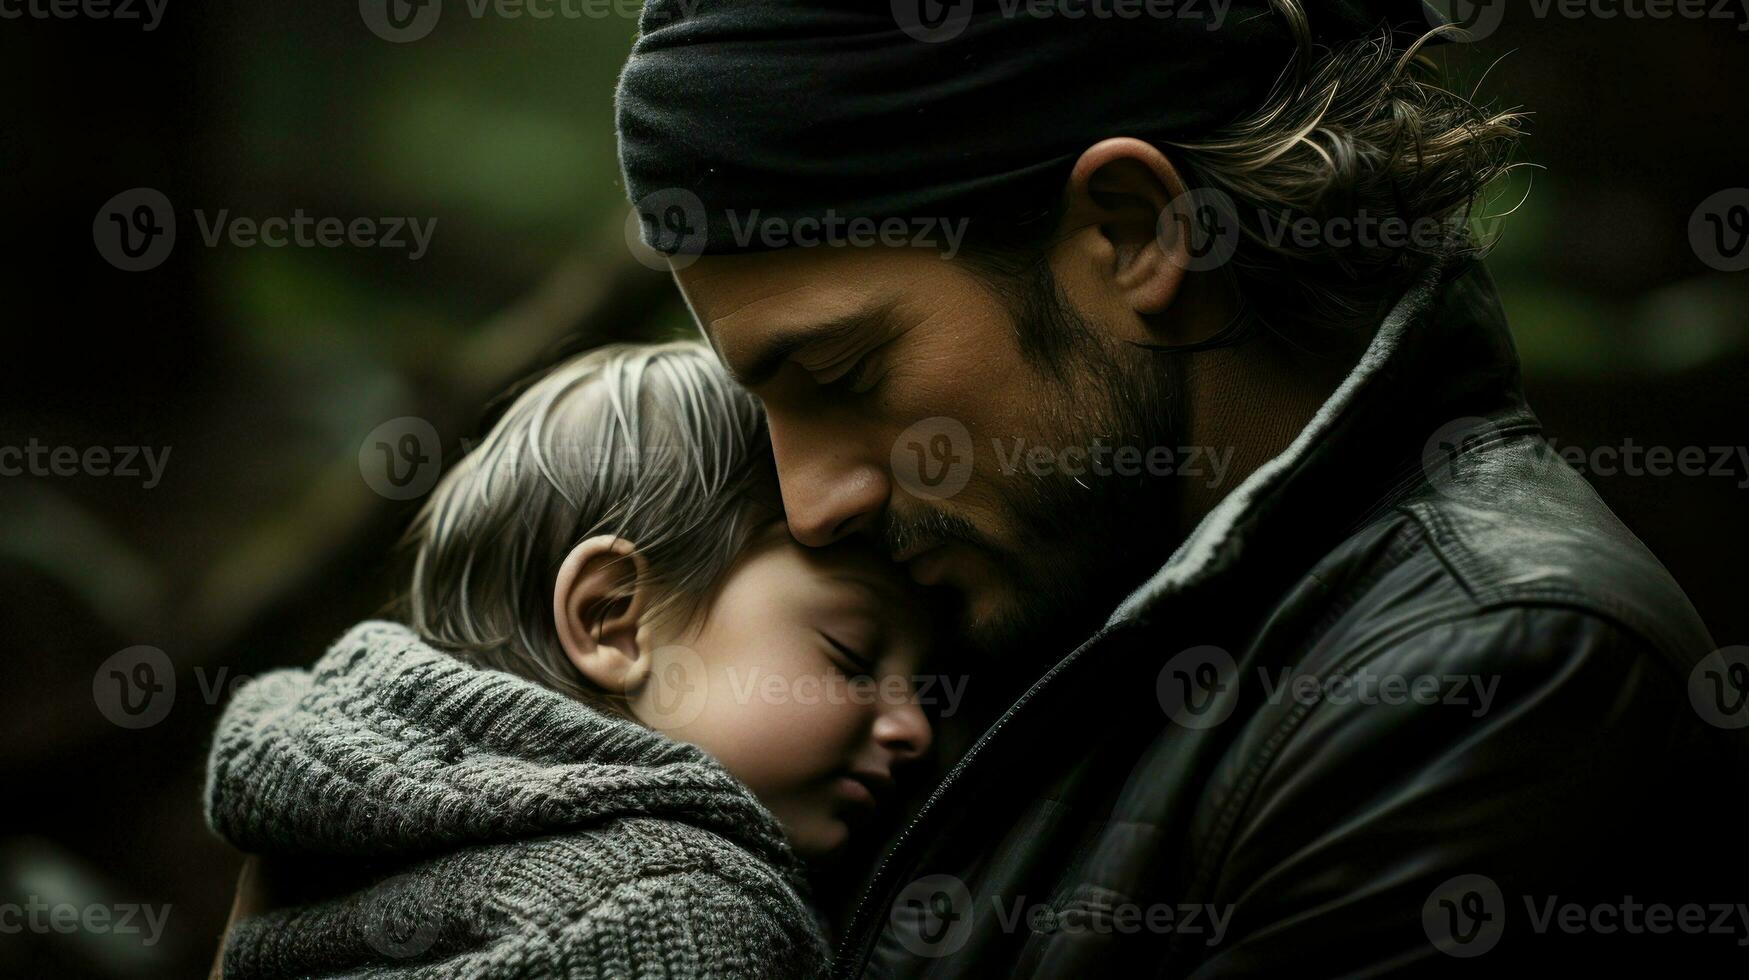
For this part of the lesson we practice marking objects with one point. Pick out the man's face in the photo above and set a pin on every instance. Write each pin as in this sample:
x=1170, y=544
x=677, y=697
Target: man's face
x=859, y=355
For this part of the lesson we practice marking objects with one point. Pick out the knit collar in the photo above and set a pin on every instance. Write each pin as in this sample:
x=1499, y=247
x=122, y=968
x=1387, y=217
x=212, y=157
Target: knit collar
x=388, y=746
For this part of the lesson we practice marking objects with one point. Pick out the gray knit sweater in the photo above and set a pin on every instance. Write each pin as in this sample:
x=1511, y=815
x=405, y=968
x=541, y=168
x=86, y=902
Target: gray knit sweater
x=501, y=830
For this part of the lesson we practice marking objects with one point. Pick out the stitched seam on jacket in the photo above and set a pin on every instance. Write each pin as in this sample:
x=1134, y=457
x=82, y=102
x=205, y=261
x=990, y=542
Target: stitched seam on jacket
x=1400, y=550
x=1466, y=567
x=1241, y=799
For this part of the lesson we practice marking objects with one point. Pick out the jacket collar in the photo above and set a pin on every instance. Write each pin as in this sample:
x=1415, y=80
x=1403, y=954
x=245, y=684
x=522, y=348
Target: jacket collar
x=1442, y=353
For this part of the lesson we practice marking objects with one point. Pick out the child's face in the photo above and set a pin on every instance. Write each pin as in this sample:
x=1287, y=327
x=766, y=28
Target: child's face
x=799, y=679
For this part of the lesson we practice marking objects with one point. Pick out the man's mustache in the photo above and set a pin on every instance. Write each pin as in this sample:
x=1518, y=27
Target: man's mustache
x=900, y=533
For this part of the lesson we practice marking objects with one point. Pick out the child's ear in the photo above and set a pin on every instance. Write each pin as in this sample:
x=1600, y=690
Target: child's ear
x=598, y=602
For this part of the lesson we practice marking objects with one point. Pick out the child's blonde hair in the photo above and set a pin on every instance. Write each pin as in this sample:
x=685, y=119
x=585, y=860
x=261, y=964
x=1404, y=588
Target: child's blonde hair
x=654, y=443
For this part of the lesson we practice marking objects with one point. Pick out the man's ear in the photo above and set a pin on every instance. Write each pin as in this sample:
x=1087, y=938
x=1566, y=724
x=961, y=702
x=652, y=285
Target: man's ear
x=598, y=602
x=1116, y=200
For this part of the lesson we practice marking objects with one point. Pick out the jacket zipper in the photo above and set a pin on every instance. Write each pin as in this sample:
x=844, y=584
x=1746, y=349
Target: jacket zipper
x=844, y=966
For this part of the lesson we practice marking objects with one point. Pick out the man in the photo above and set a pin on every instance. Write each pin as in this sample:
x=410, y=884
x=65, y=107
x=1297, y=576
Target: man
x=1199, y=400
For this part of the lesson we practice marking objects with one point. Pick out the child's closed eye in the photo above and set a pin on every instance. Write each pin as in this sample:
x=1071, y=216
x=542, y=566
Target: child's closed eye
x=848, y=660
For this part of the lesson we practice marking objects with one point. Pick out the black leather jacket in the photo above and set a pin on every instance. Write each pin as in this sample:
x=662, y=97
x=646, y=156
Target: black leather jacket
x=1207, y=788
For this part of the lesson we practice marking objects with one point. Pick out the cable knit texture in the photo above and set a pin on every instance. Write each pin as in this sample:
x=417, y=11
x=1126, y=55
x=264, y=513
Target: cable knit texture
x=502, y=830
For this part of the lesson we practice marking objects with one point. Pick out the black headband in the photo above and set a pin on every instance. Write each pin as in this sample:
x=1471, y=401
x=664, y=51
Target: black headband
x=733, y=114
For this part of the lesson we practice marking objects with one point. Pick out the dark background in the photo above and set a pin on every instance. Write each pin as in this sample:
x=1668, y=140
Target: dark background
x=263, y=369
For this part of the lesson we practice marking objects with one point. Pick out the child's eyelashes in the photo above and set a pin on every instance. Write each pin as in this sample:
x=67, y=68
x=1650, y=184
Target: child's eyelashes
x=854, y=665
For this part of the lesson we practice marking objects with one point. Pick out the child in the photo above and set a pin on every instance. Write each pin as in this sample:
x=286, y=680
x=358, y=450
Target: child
x=625, y=707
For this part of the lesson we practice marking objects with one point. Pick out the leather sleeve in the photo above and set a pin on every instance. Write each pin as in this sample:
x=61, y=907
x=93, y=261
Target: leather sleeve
x=1560, y=763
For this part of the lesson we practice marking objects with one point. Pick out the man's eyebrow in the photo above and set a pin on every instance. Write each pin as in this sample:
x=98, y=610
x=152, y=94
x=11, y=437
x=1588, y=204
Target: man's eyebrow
x=772, y=352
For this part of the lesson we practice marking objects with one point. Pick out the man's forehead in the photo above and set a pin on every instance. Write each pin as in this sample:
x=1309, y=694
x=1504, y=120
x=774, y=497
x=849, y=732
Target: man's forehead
x=728, y=288
x=742, y=300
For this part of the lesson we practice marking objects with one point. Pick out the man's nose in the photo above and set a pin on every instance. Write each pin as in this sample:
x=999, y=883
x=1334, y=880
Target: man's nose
x=830, y=489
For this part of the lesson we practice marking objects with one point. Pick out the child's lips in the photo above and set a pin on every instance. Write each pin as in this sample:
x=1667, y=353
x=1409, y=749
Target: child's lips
x=854, y=791
x=866, y=789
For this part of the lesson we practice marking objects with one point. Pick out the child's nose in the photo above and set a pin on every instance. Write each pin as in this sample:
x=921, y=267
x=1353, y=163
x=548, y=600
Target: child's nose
x=904, y=730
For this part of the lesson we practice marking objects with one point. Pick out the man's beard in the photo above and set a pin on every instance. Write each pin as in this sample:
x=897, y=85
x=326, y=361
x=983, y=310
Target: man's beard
x=1089, y=539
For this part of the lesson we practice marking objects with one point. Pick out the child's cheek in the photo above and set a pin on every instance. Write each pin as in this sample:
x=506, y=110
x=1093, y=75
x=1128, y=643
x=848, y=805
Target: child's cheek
x=779, y=730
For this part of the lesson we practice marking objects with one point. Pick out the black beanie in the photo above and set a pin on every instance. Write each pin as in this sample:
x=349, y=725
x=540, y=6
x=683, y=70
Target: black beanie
x=736, y=111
